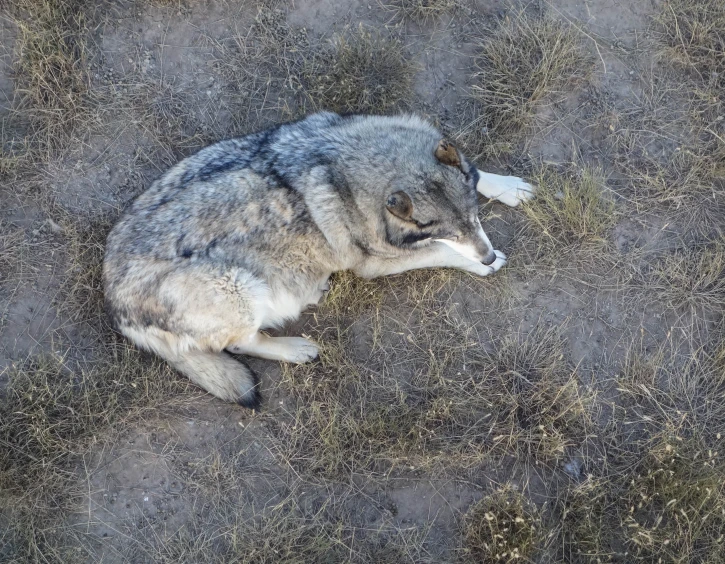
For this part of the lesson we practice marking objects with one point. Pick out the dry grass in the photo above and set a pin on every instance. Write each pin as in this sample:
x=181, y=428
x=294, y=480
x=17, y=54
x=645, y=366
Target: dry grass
x=53, y=81
x=523, y=63
x=82, y=284
x=571, y=209
x=588, y=521
x=288, y=533
x=456, y=405
x=658, y=491
x=676, y=508
x=691, y=279
x=52, y=413
x=503, y=527
x=361, y=71
x=164, y=114
x=671, y=149
x=672, y=143
x=669, y=507
x=693, y=34
x=540, y=408
x=12, y=248
x=421, y=11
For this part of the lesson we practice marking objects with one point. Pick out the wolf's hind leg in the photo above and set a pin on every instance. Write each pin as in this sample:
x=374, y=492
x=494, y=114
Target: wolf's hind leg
x=286, y=349
x=509, y=190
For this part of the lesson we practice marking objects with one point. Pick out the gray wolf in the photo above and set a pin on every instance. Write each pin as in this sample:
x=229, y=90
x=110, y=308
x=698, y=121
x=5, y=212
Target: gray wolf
x=243, y=235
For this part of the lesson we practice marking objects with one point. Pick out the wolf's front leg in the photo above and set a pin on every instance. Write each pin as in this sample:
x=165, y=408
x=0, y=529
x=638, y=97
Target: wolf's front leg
x=287, y=349
x=509, y=190
x=436, y=255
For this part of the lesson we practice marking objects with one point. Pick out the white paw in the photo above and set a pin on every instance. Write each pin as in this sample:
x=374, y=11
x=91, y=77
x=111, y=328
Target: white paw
x=484, y=270
x=509, y=190
x=299, y=350
x=498, y=263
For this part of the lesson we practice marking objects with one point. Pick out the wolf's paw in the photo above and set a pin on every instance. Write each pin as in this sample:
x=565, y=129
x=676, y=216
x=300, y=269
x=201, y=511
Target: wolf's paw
x=484, y=270
x=498, y=263
x=509, y=190
x=298, y=350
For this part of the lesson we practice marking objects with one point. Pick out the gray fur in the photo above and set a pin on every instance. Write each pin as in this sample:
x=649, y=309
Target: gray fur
x=245, y=233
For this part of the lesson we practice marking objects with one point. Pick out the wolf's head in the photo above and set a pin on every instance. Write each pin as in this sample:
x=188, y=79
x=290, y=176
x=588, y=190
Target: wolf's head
x=438, y=202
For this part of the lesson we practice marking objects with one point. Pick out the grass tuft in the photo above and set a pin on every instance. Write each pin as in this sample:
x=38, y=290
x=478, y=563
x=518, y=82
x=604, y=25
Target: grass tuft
x=539, y=407
x=522, y=63
x=691, y=278
x=675, y=509
x=421, y=10
x=570, y=210
x=693, y=34
x=361, y=71
x=503, y=527
x=589, y=520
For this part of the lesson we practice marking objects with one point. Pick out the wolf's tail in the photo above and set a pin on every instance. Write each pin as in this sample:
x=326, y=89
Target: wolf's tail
x=219, y=374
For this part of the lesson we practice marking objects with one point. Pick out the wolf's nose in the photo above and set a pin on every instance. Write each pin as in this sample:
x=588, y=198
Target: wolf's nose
x=489, y=259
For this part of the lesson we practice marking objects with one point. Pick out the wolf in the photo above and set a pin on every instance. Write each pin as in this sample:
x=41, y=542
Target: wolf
x=243, y=235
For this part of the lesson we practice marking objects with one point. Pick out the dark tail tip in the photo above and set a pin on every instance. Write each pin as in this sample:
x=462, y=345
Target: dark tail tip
x=252, y=399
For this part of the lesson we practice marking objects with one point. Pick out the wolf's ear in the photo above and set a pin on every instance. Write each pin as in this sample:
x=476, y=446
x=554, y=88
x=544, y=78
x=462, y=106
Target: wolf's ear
x=400, y=205
x=447, y=154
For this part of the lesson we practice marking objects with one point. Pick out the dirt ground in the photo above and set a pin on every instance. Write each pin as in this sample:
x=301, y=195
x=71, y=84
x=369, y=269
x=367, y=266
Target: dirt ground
x=568, y=409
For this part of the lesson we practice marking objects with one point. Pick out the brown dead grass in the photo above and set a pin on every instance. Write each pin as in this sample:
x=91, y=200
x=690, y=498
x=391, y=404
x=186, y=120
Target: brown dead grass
x=361, y=71
x=355, y=417
x=421, y=11
x=572, y=210
x=523, y=63
x=691, y=279
x=693, y=35
x=53, y=81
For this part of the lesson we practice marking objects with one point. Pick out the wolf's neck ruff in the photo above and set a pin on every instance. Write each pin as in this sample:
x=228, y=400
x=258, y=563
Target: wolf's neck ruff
x=244, y=235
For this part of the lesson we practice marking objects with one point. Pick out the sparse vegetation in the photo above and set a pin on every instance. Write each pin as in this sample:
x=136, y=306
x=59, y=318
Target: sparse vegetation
x=421, y=10
x=570, y=209
x=353, y=418
x=361, y=71
x=52, y=413
x=12, y=249
x=692, y=278
x=82, y=295
x=693, y=32
x=53, y=80
x=522, y=63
